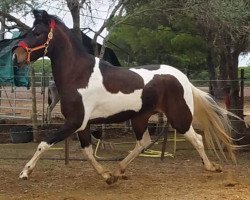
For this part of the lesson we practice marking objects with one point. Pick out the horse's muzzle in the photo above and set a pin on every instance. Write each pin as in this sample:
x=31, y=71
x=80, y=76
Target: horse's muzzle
x=19, y=57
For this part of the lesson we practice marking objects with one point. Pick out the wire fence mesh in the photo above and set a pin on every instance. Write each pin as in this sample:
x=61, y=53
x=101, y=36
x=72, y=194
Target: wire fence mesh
x=16, y=104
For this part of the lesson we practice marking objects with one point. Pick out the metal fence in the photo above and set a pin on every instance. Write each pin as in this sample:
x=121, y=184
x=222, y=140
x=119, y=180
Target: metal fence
x=16, y=102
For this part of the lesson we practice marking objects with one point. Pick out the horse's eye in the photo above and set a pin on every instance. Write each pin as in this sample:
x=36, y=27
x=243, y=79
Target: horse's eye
x=37, y=34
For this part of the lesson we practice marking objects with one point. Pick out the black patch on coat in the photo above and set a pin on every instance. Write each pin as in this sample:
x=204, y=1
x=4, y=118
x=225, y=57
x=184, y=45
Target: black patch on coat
x=116, y=79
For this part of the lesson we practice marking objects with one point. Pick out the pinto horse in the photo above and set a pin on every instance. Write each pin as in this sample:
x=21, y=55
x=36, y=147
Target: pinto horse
x=94, y=91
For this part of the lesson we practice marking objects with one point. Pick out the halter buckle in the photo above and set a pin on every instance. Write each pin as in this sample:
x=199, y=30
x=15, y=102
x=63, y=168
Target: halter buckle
x=50, y=35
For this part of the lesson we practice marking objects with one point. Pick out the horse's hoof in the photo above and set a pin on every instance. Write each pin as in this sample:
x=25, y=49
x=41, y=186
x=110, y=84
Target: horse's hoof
x=23, y=176
x=111, y=180
x=106, y=175
x=124, y=177
x=215, y=167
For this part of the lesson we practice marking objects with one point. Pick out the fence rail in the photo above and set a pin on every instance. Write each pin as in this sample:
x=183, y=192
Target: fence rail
x=17, y=102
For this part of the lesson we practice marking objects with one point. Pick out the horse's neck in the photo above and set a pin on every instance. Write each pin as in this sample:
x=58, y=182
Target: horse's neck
x=61, y=65
x=69, y=62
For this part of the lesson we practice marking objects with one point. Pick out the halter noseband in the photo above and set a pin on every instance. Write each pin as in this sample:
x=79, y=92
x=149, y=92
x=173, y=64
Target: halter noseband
x=45, y=45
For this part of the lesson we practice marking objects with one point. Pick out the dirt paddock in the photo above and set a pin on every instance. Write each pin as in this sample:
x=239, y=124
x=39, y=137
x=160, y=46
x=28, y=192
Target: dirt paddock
x=179, y=178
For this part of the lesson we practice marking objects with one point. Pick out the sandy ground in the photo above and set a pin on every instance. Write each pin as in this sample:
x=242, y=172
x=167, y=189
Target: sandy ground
x=179, y=178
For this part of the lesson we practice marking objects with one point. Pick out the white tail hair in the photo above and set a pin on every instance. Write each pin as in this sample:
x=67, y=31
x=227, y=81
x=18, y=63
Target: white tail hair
x=214, y=122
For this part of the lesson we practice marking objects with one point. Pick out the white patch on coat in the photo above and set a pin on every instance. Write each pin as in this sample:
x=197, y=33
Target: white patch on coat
x=100, y=103
x=148, y=75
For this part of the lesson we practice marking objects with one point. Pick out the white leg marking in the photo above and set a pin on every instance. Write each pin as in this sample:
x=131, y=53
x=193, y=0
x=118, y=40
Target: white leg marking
x=196, y=141
x=140, y=145
x=88, y=154
x=42, y=147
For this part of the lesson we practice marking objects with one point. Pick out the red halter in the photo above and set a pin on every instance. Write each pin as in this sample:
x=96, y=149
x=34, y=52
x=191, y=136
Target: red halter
x=45, y=45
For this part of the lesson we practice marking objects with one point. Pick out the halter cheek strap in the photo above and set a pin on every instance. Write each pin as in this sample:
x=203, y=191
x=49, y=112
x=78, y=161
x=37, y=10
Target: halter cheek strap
x=44, y=46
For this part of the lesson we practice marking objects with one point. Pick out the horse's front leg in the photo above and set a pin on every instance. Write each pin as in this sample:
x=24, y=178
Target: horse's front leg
x=85, y=140
x=66, y=130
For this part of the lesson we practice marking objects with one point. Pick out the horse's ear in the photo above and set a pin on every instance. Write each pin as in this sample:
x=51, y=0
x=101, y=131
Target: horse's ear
x=41, y=15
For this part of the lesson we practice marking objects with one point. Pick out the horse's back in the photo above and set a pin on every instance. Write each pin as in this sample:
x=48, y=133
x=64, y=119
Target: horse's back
x=147, y=72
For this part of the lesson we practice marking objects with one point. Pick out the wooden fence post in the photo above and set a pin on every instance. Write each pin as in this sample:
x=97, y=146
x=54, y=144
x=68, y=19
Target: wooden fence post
x=66, y=151
x=164, y=144
x=242, y=92
x=0, y=96
x=34, y=108
x=2, y=30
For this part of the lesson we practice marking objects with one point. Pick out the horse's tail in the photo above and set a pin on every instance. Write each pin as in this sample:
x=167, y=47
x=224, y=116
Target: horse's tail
x=214, y=122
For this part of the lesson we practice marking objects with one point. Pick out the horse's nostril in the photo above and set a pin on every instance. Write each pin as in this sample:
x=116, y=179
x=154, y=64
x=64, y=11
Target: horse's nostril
x=14, y=59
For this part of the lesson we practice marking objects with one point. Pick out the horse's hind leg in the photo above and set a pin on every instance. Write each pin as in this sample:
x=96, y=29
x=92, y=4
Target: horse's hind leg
x=178, y=112
x=197, y=142
x=139, y=125
x=85, y=140
x=183, y=125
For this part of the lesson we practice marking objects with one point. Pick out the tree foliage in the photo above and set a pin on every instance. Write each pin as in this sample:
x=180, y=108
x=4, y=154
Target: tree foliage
x=38, y=66
x=176, y=43
x=225, y=23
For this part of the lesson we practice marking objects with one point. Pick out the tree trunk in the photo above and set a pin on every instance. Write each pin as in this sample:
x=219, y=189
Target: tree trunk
x=74, y=8
x=232, y=62
x=223, y=71
x=95, y=46
x=34, y=107
x=1, y=38
x=212, y=73
x=2, y=28
x=235, y=102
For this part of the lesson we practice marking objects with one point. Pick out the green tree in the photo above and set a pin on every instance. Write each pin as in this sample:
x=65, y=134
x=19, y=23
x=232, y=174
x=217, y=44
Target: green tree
x=225, y=25
x=171, y=44
x=38, y=66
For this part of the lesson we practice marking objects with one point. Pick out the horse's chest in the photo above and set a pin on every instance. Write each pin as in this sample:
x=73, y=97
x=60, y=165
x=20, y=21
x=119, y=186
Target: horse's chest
x=102, y=104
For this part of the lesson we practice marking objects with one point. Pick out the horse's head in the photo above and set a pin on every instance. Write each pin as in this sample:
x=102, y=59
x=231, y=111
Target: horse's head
x=37, y=42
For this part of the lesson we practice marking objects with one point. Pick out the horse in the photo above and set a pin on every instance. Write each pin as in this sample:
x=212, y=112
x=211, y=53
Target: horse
x=94, y=91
